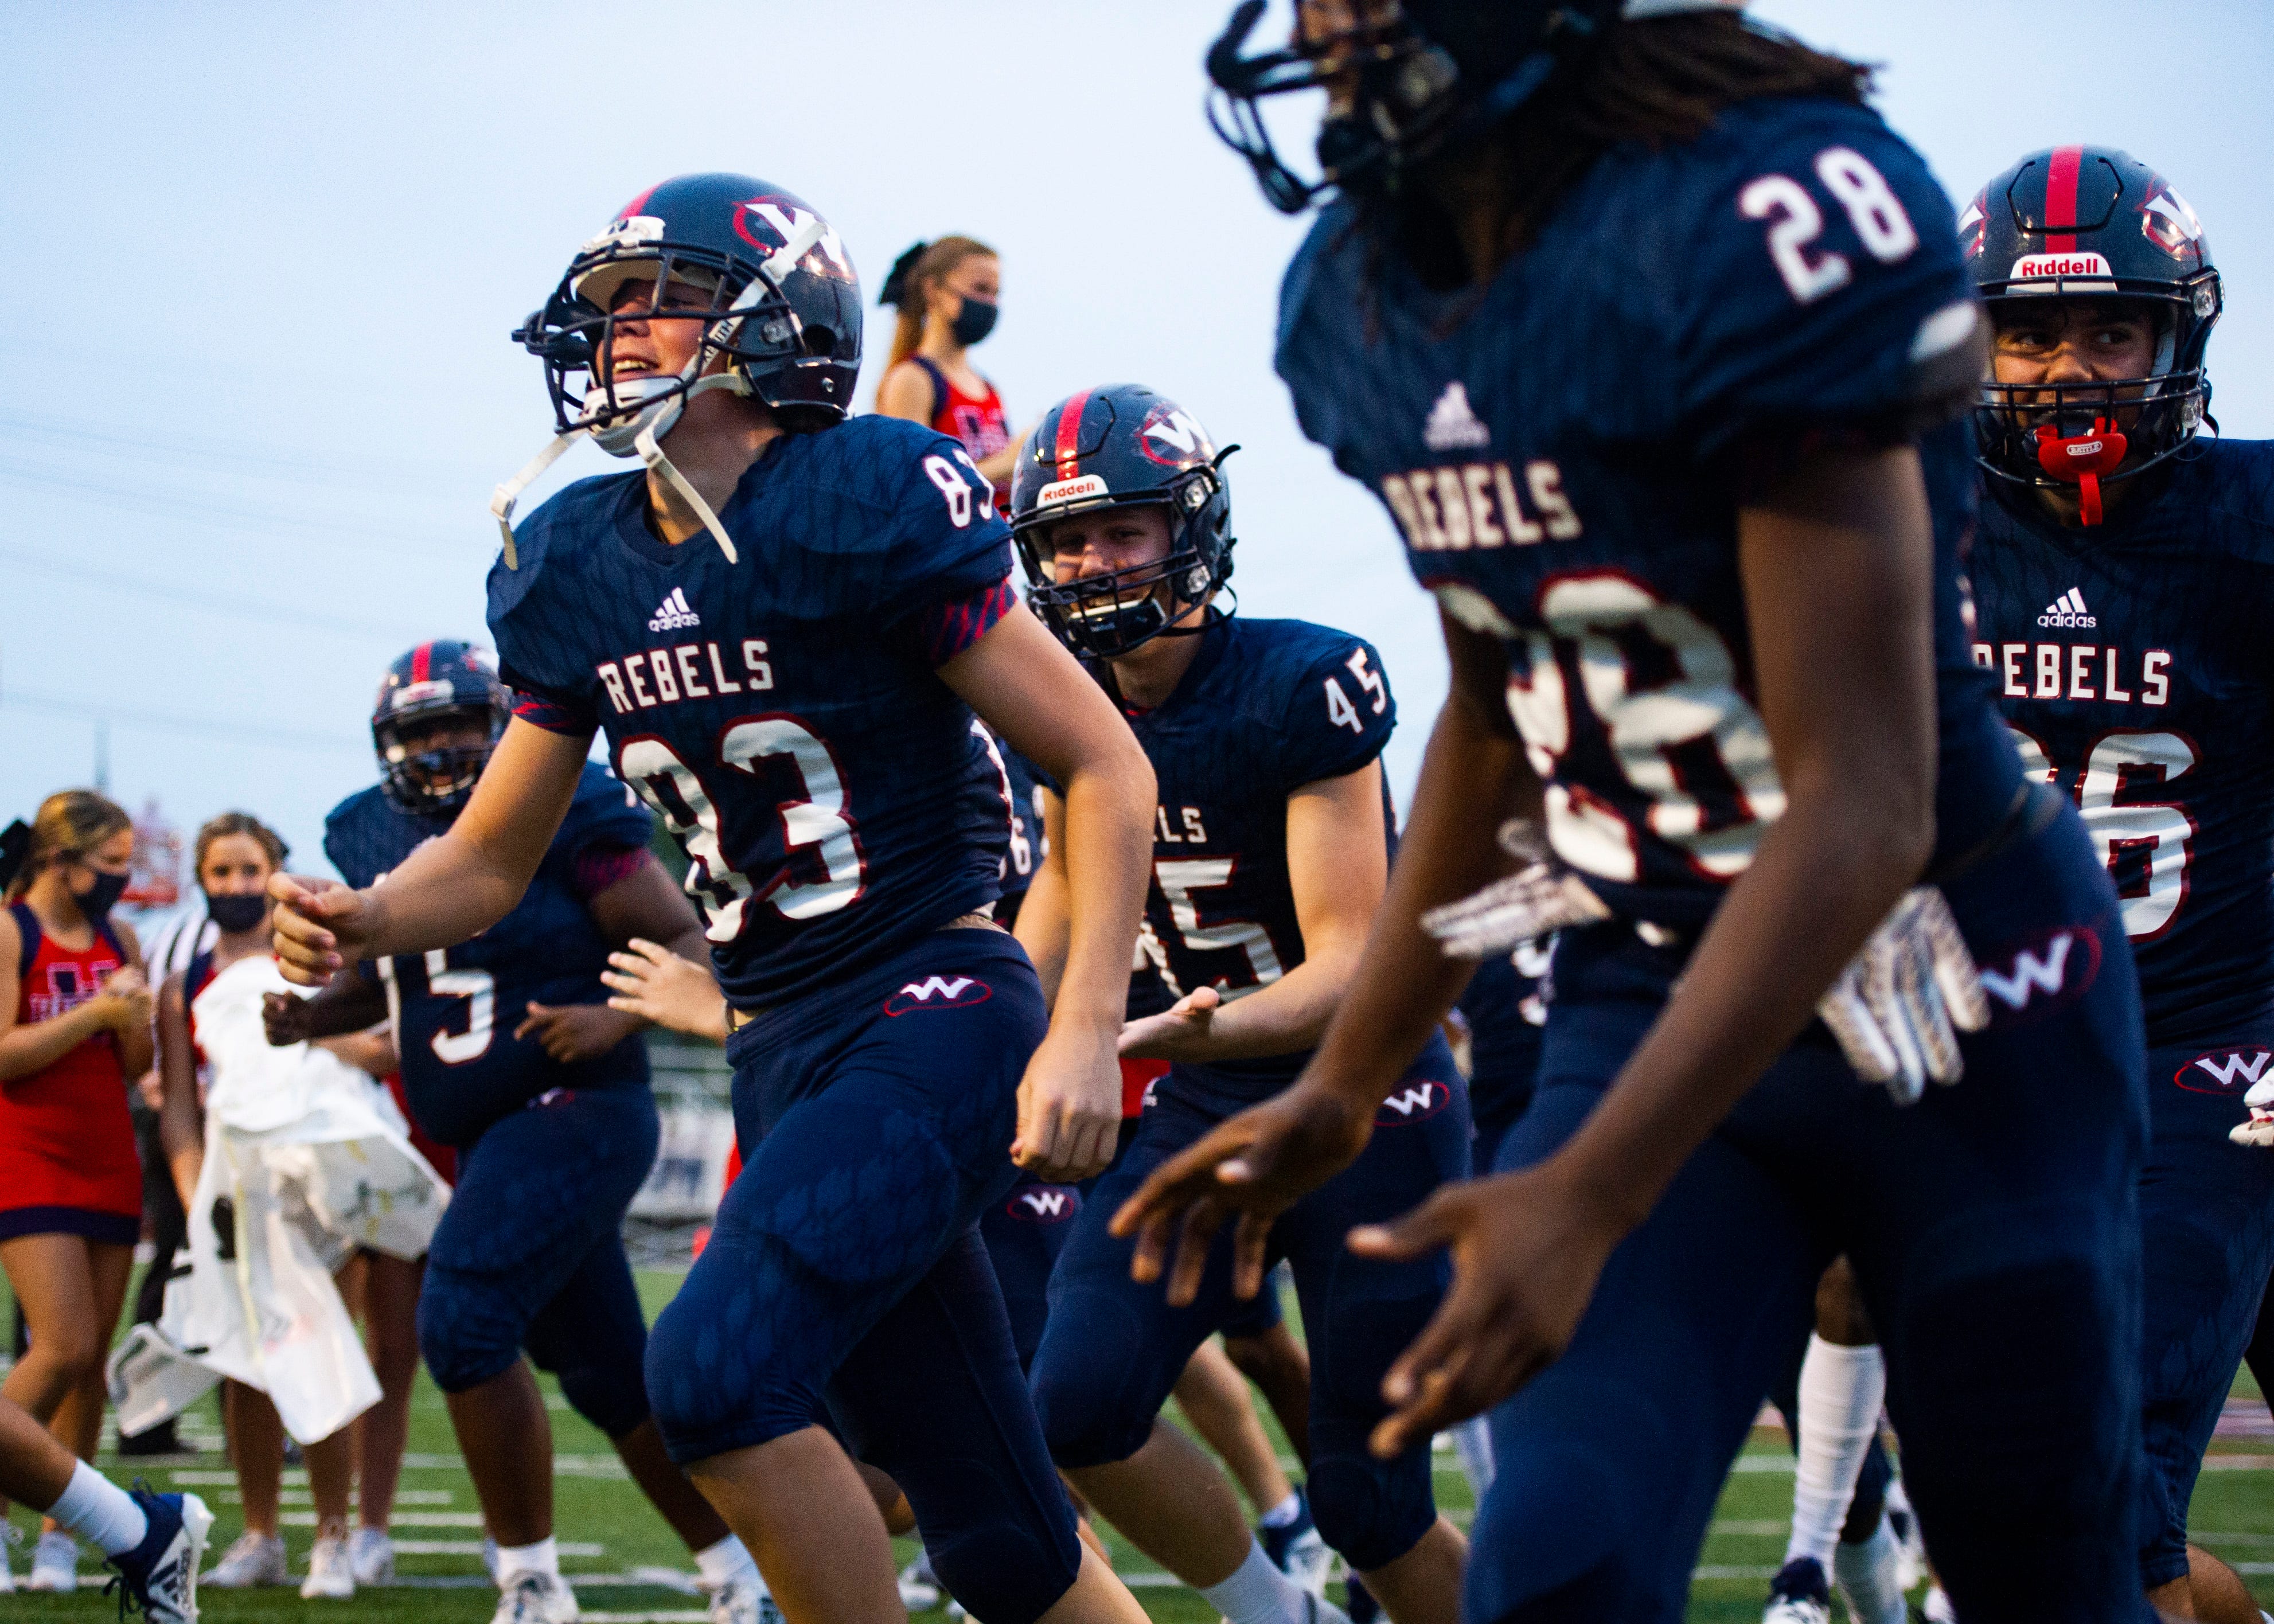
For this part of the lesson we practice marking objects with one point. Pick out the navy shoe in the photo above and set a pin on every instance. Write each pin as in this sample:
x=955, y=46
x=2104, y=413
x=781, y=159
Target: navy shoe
x=1799, y=1594
x=160, y=1576
x=1358, y=1602
x=1295, y=1550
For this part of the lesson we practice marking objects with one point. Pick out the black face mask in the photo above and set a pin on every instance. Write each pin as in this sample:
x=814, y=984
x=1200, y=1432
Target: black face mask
x=236, y=914
x=98, y=899
x=973, y=322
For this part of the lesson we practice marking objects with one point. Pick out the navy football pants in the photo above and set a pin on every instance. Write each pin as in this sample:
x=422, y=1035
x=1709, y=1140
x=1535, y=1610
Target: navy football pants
x=530, y=1254
x=2207, y=1243
x=1113, y=1350
x=845, y=1270
x=1993, y=1229
x=1024, y=1233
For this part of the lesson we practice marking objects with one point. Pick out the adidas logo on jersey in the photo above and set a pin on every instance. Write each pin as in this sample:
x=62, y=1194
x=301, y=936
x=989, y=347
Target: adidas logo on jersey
x=2068, y=610
x=673, y=612
x=1451, y=425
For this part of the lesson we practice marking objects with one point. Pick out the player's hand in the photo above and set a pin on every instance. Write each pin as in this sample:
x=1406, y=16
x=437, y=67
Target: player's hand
x=1527, y=1251
x=573, y=1032
x=1899, y=1006
x=649, y=981
x=125, y=998
x=2258, y=1132
x=320, y=926
x=1255, y=1165
x=284, y=1019
x=1070, y=1104
x=1180, y=1032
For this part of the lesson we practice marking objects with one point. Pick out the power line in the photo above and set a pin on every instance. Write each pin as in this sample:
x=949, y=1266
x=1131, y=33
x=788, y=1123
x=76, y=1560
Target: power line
x=245, y=609
x=282, y=738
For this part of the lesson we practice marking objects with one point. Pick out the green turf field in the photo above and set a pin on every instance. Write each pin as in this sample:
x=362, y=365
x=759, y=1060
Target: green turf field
x=629, y=1567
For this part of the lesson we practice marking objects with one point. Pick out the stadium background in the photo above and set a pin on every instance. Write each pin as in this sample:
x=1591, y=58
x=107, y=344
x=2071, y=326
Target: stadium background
x=263, y=390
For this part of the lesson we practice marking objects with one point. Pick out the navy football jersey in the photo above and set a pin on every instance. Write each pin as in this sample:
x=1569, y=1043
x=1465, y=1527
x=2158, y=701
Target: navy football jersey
x=1027, y=848
x=1265, y=707
x=1506, y=1016
x=1562, y=450
x=454, y=1009
x=2134, y=668
x=836, y=800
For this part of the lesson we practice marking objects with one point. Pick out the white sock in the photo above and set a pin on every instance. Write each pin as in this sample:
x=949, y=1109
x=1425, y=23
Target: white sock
x=1285, y=1513
x=1840, y=1392
x=544, y=1558
x=1257, y=1592
x=1472, y=1441
x=730, y=1559
x=98, y=1510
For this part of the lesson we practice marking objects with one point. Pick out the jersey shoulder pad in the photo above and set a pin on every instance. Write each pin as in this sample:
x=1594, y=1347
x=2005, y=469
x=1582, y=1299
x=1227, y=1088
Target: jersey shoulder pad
x=900, y=503
x=2238, y=485
x=604, y=812
x=1330, y=707
x=535, y=610
x=359, y=835
x=1823, y=287
x=1319, y=317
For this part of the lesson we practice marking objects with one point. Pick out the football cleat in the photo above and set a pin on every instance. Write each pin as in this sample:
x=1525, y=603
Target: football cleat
x=252, y=1560
x=160, y=1576
x=1296, y=1549
x=920, y=1588
x=536, y=1599
x=1904, y=1521
x=331, y=1573
x=1798, y=1594
x=1870, y=1576
x=55, y=1563
x=743, y=1600
x=371, y=1555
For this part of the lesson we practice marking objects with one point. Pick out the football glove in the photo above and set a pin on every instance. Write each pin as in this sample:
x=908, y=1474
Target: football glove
x=2258, y=1132
x=1539, y=899
x=1898, y=1008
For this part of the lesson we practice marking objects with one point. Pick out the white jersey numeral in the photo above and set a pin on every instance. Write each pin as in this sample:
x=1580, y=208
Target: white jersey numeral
x=1180, y=878
x=942, y=473
x=1598, y=620
x=2160, y=832
x=478, y=989
x=1881, y=223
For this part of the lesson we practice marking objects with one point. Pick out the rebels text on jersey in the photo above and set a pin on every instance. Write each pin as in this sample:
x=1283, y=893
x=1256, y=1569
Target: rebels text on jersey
x=454, y=1009
x=836, y=800
x=1265, y=707
x=2133, y=667
x=1565, y=452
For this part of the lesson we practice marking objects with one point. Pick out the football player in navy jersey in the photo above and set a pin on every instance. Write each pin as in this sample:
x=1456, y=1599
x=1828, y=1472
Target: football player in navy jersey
x=2121, y=575
x=1655, y=342
x=510, y=1055
x=784, y=624
x=1271, y=841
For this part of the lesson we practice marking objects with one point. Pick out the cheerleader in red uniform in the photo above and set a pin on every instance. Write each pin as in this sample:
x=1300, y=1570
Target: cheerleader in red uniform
x=946, y=293
x=74, y=1026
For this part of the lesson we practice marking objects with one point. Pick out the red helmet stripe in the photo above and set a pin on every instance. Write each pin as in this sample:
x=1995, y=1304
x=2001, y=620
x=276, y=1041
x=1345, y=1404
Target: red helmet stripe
x=2061, y=198
x=636, y=204
x=1069, y=444
x=421, y=659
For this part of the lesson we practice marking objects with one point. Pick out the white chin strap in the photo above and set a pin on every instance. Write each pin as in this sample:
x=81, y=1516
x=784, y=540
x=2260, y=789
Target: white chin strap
x=653, y=422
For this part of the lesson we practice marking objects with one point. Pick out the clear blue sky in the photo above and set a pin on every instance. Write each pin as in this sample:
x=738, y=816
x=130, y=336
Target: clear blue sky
x=260, y=383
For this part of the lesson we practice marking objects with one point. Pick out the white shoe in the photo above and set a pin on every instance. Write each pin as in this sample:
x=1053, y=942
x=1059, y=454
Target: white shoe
x=1308, y=1561
x=744, y=1599
x=1906, y=1524
x=254, y=1559
x=919, y=1585
x=1798, y=1595
x=331, y=1577
x=55, y=1563
x=371, y=1556
x=1869, y=1577
x=490, y=1557
x=8, y=1537
x=536, y=1599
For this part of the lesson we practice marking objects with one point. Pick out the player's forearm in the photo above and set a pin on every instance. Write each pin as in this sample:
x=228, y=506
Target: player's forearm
x=350, y=1004
x=446, y=891
x=1287, y=1017
x=1044, y=929
x=1822, y=878
x=1109, y=804
x=1474, y=778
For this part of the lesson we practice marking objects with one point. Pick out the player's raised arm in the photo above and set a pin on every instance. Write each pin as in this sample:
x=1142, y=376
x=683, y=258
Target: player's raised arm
x=1024, y=683
x=459, y=883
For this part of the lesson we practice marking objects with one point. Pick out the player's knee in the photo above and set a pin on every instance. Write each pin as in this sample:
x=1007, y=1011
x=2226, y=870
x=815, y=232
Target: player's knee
x=1087, y=1417
x=1373, y=1511
x=1557, y=1537
x=713, y=1384
x=611, y=1395
x=465, y=1338
x=1003, y=1569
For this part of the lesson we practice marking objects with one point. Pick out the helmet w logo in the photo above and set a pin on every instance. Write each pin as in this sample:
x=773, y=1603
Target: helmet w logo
x=1413, y=1101
x=938, y=992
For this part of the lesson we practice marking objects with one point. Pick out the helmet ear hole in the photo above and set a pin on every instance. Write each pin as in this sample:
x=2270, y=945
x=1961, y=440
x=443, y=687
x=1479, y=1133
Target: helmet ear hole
x=820, y=341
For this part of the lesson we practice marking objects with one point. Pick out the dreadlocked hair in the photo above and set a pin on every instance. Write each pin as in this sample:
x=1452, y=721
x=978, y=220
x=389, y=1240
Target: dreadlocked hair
x=1658, y=82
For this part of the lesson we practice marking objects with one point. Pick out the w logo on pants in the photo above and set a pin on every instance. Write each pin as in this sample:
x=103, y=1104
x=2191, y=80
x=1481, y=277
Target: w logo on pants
x=1045, y=1204
x=2224, y=1071
x=938, y=992
x=2031, y=982
x=1415, y=1100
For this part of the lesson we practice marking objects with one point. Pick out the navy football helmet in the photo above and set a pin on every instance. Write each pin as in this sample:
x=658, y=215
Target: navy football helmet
x=2090, y=222
x=1404, y=79
x=1122, y=446
x=782, y=324
x=440, y=679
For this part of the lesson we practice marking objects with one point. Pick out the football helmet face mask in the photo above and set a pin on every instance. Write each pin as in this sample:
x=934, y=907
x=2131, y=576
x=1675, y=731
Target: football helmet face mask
x=434, y=681
x=1404, y=79
x=778, y=301
x=2092, y=223
x=1122, y=446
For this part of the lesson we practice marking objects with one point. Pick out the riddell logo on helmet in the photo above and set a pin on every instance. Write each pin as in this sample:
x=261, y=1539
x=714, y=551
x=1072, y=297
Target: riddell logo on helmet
x=1077, y=489
x=2036, y=266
